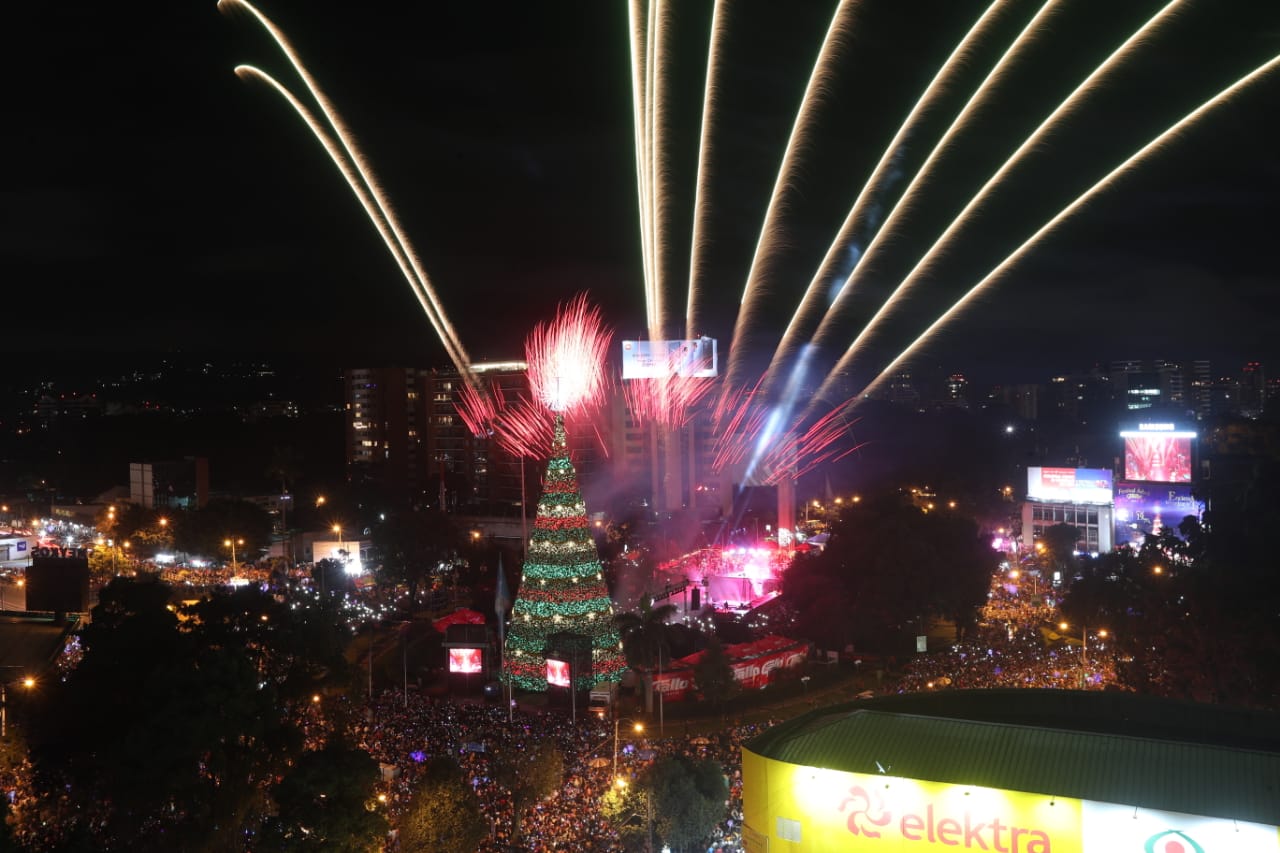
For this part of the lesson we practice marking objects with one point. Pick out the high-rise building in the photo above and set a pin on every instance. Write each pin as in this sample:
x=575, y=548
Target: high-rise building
x=404, y=434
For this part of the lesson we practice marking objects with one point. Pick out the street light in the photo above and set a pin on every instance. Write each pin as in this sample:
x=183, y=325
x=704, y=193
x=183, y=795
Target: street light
x=232, y=543
x=27, y=682
x=648, y=810
x=638, y=727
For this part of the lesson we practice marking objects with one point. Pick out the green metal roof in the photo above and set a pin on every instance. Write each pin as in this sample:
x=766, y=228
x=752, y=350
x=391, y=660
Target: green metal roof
x=1107, y=747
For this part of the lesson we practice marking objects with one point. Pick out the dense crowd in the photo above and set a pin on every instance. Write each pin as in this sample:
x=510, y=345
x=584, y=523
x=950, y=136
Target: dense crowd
x=1016, y=646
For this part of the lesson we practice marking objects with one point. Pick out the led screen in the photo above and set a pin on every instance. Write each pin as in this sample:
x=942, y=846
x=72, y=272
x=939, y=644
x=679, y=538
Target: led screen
x=1074, y=485
x=468, y=661
x=1157, y=458
x=558, y=673
x=1146, y=508
x=660, y=359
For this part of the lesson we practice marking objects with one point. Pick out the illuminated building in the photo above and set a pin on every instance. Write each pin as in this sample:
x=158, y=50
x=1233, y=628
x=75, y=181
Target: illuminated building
x=1017, y=771
x=1078, y=497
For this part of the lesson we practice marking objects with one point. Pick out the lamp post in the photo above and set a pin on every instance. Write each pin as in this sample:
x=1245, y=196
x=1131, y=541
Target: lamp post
x=638, y=727
x=232, y=543
x=648, y=811
x=1084, y=644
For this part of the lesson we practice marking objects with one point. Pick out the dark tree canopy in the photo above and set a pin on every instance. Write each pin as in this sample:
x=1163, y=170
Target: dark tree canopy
x=327, y=802
x=887, y=569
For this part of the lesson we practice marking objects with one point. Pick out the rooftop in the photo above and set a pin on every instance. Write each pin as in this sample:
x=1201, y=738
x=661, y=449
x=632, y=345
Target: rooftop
x=1104, y=746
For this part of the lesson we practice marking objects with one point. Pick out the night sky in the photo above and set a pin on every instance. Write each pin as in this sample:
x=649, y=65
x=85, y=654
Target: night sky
x=153, y=201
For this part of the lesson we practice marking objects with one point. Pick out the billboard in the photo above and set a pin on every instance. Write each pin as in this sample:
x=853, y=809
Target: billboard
x=58, y=580
x=1157, y=453
x=1146, y=508
x=817, y=809
x=753, y=664
x=557, y=672
x=659, y=359
x=1071, y=485
x=466, y=661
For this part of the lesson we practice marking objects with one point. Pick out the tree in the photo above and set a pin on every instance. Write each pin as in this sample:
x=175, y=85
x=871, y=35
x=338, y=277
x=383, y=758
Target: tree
x=688, y=799
x=327, y=802
x=444, y=812
x=529, y=774
x=203, y=531
x=713, y=675
x=1060, y=544
x=183, y=730
x=410, y=546
x=562, y=583
x=646, y=641
x=888, y=568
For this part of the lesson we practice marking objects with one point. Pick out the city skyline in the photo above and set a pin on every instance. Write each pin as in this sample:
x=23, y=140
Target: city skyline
x=170, y=206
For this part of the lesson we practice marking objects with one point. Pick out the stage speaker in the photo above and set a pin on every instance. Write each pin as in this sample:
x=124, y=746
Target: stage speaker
x=695, y=599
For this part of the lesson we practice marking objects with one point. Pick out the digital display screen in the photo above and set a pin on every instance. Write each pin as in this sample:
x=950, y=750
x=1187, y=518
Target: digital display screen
x=1143, y=509
x=1074, y=485
x=1157, y=458
x=558, y=673
x=659, y=359
x=468, y=661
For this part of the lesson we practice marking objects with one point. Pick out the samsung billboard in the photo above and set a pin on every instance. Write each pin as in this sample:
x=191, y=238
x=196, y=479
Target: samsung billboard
x=1069, y=485
x=1157, y=453
x=659, y=359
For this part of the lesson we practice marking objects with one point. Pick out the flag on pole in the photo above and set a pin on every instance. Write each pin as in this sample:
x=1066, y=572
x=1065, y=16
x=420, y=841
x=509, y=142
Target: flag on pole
x=501, y=600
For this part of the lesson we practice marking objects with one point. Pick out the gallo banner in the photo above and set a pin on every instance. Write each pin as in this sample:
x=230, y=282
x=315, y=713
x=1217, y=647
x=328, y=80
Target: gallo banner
x=752, y=663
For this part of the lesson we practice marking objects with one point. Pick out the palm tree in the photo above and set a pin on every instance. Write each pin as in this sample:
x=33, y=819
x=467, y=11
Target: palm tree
x=645, y=642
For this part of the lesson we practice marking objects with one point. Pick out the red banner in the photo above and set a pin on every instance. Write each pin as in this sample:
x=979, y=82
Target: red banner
x=752, y=663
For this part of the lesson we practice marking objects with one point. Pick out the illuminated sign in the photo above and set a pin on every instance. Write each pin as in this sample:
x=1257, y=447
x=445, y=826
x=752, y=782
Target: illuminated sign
x=1157, y=456
x=1113, y=827
x=1072, y=485
x=659, y=359
x=466, y=661
x=1143, y=509
x=557, y=672
x=815, y=809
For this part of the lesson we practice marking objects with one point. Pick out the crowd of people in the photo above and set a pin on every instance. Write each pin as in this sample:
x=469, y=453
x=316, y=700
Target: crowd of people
x=405, y=731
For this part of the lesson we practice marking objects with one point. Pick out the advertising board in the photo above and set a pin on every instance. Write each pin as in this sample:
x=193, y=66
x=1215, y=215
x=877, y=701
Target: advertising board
x=466, y=661
x=1072, y=485
x=659, y=359
x=1157, y=453
x=753, y=664
x=1146, y=508
x=816, y=809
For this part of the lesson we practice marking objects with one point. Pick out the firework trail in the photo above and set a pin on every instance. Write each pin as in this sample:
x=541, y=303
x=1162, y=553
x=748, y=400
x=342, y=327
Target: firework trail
x=639, y=76
x=767, y=245
x=749, y=437
x=701, y=205
x=1151, y=148
x=418, y=280
x=813, y=301
x=359, y=188
x=1055, y=118
x=905, y=202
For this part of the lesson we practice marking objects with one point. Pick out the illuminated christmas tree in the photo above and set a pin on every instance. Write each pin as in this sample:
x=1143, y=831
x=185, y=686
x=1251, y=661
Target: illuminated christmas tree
x=562, y=586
